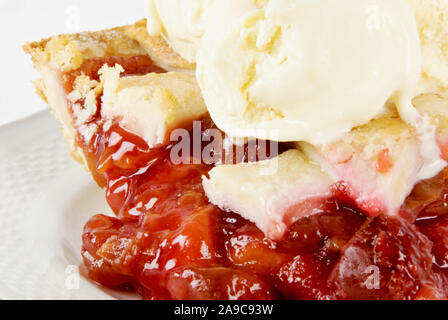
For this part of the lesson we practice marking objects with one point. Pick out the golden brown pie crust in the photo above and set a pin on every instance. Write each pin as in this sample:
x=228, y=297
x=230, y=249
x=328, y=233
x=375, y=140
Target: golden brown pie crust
x=67, y=52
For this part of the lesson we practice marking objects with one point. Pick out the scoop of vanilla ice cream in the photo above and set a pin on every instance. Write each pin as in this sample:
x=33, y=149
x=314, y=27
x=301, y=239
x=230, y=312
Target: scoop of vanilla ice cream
x=432, y=21
x=310, y=70
x=180, y=22
x=307, y=70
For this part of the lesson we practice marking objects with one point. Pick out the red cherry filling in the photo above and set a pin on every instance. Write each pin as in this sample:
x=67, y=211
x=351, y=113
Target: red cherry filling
x=305, y=278
x=386, y=259
x=318, y=240
x=218, y=284
x=168, y=242
x=436, y=229
x=435, y=287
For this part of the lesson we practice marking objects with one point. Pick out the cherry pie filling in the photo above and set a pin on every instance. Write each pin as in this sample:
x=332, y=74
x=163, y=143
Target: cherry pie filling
x=168, y=242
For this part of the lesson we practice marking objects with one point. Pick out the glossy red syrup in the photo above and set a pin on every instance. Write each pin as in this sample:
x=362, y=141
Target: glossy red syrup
x=168, y=242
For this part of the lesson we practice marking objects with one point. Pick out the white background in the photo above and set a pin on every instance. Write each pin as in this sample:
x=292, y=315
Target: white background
x=30, y=20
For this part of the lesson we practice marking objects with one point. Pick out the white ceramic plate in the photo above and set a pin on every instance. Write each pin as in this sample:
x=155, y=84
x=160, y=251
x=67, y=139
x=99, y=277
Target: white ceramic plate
x=45, y=199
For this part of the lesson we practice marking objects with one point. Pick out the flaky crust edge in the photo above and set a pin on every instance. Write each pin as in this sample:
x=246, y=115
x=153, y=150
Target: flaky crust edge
x=67, y=52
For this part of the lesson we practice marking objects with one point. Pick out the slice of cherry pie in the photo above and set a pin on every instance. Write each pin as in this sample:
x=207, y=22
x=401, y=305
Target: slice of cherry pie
x=350, y=220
